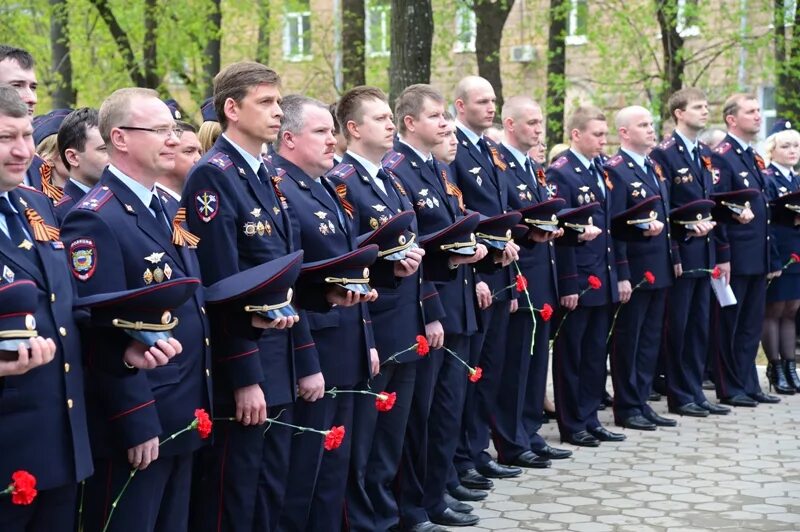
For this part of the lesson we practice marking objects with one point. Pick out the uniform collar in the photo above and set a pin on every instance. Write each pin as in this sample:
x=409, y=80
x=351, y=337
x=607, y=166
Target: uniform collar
x=423, y=157
x=583, y=160
x=80, y=185
x=167, y=190
x=689, y=144
x=253, y=162
x=139, y=190
x=786, y=172
x=471, y=135
x=370, y=167
x=743, y=144
x=518, y=155
x=637, y=157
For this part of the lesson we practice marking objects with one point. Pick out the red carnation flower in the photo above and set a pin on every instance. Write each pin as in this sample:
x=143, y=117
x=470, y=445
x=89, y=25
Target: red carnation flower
x=594, y=282
x=795, y=257
x=203, y=423
x=475, y=374
x=547, y=312
x=422, y=346
x=716, y=273
x=522, y=283
x=23, y=487
x=385, y=401
x=649, y=277
x=334, y=438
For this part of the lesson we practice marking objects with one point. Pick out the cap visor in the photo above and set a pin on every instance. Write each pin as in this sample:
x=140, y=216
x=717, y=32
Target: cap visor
x=469, y=251
x=548, y=228
x=149, y=338
x=13, y=345
x=496, y=244
x=283, y=312
x=357, y=288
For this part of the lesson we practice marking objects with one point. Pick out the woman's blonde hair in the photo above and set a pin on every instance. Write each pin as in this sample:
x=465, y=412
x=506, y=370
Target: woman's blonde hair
x=787, y=135
x=208, y=133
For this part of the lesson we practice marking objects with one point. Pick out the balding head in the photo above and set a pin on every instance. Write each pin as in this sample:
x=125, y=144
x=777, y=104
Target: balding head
x=522, y=122
x=475, y=103
x=635, y=129
x=515, y=106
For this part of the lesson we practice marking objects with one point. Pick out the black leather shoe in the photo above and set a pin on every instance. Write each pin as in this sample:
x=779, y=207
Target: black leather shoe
x=462, y=493
x=531, y=460
x=549, y=414
x=492, y=469
x=660, y=421
x=637, y=422
x=740, y=400
x=691, y=410
x=762, y=397
x=708, y=385
x=607, y=399
x=660, y=385
x=456, y=505
x=654, y=396
x=717, y=410
x=451, y=518
x=426, y=526
x=552, y=453
x=475, y=481
x=603, y=434
x=581, y=439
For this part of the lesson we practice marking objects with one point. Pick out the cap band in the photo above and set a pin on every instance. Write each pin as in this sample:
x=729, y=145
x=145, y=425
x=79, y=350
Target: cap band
x=142, y=326
x=22, y=333
x=405, y=246
x=457, y=245
x=346, y=280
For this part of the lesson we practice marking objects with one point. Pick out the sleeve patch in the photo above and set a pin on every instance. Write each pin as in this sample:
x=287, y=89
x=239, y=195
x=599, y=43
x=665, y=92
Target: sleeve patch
x=83, y=258
x=206, y=204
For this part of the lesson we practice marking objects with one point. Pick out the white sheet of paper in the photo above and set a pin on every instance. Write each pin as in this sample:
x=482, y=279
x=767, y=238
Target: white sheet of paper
x=723, y=291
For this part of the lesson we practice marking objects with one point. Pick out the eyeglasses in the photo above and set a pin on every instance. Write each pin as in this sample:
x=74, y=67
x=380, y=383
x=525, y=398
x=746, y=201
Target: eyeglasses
x=160, y=131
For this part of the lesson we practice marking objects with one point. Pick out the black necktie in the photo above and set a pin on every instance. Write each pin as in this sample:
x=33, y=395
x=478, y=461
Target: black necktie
x=593, y=172
x=161, y=216
x=696, y=159
x=485, y=148
x=16, y=231
x=391, y=194
x=650, y=172
x=334, y=201
x=431, y=165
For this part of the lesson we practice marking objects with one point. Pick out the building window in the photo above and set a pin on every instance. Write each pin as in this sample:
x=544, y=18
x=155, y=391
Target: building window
x=687, y=18
x=578, y=21
x=297, y=31
x=378, y=27
x=789, y=11
x=768, y=109
x=466, y=28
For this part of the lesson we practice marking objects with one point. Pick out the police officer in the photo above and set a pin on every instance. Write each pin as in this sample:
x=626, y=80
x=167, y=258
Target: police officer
x=323, y=226
x=477, y=170
x=45, y=417
x=636, y=338
x=742, y=256
x=231, y=205
x=118, y=238
x=84, y=155
x=687, y=170
x=524, y=378
x=580, y=349
x=397, y=317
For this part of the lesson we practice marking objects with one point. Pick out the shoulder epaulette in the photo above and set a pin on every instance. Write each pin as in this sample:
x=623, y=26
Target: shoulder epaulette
x=769, y=171
x=392, y=159
x=66, y=199
x=221, y=160
x=95, y=198
x=280, y=172
x=614, y=161
x=723, y=148
x=666, y=143
x=30, y=188
x=342, y=171
x=561, y=161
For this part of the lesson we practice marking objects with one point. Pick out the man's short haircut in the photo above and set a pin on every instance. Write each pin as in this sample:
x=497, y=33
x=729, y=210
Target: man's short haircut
x=449, y=116
x=581, y=117
x=412, y=100
x=235, y=81
x=11, y=105
x=680, y=99
x=116, y=109
x=733, y=103
x=73, y=131
x=185, y=126
x=350, y=105
x=22, y=57
x=294, y=118
x=514, y=105
x=336, y=127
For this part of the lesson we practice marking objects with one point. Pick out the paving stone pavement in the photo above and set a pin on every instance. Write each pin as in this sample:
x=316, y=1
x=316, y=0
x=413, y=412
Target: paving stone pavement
x=734, y=472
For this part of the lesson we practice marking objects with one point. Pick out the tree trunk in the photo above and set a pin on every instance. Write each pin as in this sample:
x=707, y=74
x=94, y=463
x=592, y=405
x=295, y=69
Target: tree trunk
x=121, y=40
x=490, y=17
x=353, y=44
x=214, y=44
x=262, y=52
x=150, y=46
x=412, y=37
x=673, y=54
x=63, y=92
x=787, y=59
x=556, y=71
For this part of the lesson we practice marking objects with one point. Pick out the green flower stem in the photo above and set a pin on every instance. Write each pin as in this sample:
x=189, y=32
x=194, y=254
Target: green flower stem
x=533, y=313
x=619, y=307
x=393, y=358
x=470, y=368
x=333, y=392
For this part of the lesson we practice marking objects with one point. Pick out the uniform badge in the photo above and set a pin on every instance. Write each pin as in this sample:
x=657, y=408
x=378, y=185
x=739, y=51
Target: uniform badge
x=715, y=175
x=479, y=181
x=267, y=228
x=682, y=170
x=167, y=271
x=250, y=229
x=413, y=164
x=552, y=190
x=644, y=193
x=147, y=276
x=331, y=227
x=512, y=165
x=475, y=171
x=636, y=184
x=522, y=186
x=373, y=223
x=746, y=182
x=743, y=174
x=583, y=189
x=677, y=180
x=379, y=208
x=635, y=193
x=129, y=208
x=782, y=190
x=8, y=275
x=577, y=170
x=26, y=244
x=83, y=255
x=464, y=142
x=276, y=210
x=154, y=258
x=323, y=227
x=256, y=213
x=429, y=203
x=630, y=164
x=158, y=275
x=321, y=215
x=241, y=170
x=206, y=205
x=590, y=197
x=529, y=195
x=580, y=199
x=423, y=192
x=383, y=219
